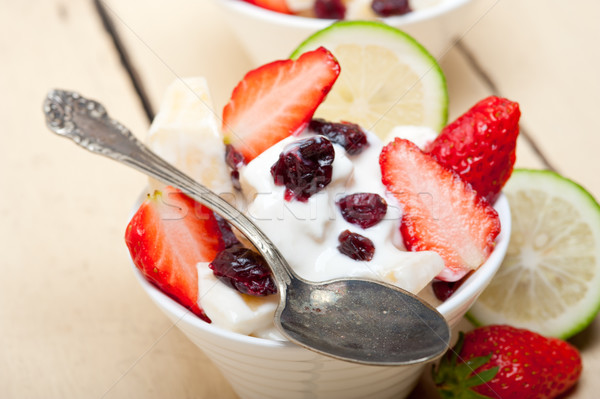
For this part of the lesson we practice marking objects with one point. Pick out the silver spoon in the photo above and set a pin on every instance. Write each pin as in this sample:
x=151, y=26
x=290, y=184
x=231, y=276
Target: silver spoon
x=357, y=320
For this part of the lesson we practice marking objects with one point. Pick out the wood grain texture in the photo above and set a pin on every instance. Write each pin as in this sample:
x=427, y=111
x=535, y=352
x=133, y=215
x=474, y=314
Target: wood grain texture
x=181, y=38
x=73, y=321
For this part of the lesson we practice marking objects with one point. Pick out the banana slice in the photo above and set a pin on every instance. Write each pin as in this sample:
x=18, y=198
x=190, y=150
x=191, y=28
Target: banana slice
x=186, y=132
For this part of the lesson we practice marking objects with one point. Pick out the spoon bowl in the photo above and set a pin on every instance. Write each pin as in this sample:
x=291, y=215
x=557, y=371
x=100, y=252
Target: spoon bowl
x=360, y=321
x=380, y=325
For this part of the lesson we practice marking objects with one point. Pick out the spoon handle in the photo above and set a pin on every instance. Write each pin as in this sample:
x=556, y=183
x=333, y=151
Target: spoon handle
x=87, y=123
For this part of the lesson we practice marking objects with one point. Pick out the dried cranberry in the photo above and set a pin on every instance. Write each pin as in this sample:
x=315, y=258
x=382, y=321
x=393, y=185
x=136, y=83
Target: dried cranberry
x=363, y=209
x=233, y=157
x=235, y=180
x=245, y=270
x=330, y=9
x=444, y=289
x=348, y=135
x=234, y=160
x=388, y=8
x=356, y=246
x=227, y=235
x=304, y=167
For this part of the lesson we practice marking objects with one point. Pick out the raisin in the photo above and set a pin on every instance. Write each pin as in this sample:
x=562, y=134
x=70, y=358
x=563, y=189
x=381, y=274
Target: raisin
x=348, y=135
x=330, y=9
x=244, y=270
x=363, y=209
x=388, y=8
x=356, y=246
x=304, y=167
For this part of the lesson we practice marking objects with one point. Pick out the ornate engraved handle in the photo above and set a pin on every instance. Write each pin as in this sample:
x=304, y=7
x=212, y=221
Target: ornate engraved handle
x=87, y=123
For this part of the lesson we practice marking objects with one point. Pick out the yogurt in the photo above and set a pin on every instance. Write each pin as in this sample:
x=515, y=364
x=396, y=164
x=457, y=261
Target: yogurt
x=307, y=233
x=186, y=133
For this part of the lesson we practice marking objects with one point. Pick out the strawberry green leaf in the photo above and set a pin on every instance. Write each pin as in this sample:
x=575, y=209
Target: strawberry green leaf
x=483, y=377
x=454, y=379
x=476, y=362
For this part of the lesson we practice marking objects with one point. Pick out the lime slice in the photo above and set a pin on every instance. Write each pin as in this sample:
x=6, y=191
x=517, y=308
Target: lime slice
x=387, y=78
x=549, y=281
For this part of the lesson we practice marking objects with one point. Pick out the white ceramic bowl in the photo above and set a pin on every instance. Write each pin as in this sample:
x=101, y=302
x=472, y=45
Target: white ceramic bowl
x=269, y=35
x=260, y=368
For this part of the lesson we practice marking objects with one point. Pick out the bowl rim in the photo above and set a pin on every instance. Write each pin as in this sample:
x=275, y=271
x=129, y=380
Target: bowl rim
x=467, y=292
x=413, y=17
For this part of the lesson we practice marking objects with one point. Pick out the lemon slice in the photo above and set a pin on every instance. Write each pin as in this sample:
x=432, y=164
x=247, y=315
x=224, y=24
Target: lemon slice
x=549, y=281
x=387, y=79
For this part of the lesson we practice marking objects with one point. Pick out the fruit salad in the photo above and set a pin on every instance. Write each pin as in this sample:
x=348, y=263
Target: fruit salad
x=345, y=9
x=336, y=199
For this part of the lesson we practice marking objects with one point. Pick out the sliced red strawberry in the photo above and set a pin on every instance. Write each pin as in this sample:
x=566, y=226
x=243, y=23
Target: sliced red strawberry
x=168, y=235
x=481, y=145
x=441, y=212
x=277, y=100
x=273, y=5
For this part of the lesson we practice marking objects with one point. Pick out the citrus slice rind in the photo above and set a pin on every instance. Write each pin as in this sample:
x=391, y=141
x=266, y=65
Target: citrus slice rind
x=387, y=78
x=549, y=281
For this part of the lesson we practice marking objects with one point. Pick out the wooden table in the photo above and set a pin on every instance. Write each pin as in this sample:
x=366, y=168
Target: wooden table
x=73, y=321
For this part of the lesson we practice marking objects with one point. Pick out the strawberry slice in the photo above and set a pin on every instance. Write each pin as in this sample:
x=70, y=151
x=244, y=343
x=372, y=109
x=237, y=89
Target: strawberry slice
x=481, y=145
x=441, y=212
x=277, y=100
x=168, y=235
x=273, y=5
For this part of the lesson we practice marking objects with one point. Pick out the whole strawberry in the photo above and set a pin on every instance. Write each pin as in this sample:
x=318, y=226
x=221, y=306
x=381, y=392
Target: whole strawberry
x=481, y=145
x=504, y=362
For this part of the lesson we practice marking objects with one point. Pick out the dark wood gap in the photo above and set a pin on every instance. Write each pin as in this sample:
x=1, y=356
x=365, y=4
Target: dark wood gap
x=136, y=81
x=472, y=61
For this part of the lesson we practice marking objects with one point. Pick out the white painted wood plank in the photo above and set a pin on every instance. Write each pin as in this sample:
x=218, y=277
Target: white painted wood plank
x=73, y=320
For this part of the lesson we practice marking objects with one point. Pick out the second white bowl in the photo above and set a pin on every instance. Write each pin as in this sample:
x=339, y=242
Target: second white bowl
x=269, y=36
